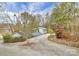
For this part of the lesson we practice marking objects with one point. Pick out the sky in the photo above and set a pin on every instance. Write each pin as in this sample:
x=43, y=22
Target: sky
x=31, y=7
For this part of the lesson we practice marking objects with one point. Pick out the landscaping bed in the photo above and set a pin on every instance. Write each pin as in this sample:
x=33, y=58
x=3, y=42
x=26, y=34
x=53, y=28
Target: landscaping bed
x=63, y=41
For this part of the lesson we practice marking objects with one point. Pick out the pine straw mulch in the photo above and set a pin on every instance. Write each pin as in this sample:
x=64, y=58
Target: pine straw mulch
x=63, y=41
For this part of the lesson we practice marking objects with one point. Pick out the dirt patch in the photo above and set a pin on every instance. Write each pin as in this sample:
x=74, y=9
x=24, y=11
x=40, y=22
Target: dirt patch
x=25, y=43
x=63, y=41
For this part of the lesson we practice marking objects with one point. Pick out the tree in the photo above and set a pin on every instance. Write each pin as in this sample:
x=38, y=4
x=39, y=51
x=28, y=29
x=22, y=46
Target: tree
x=29, y=23
x=66, y=13
x=63, y=12
x=5, y=17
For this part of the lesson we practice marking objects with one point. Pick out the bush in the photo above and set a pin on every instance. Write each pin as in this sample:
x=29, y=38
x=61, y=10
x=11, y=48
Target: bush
x=9, y=39
x=50, y=30
x=19, y=39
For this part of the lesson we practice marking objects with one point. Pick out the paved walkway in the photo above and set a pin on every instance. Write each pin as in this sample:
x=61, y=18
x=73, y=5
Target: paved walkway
x=42, y=47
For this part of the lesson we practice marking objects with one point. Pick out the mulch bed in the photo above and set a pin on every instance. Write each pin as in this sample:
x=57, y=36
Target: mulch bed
x=63, y=41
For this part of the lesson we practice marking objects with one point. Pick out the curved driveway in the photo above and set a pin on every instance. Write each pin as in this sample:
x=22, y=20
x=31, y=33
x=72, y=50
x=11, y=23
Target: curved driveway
x=42, y=47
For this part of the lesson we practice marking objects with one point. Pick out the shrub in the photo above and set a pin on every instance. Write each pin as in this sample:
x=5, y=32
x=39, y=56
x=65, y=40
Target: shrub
x=50, y=30
x=19, y=39
x=8, y=38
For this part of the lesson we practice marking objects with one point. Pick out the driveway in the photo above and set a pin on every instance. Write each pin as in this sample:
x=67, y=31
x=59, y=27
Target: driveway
x=42, y=47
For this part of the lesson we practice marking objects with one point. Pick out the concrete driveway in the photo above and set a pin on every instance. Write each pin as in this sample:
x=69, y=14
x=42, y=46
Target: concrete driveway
x=42, y=47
